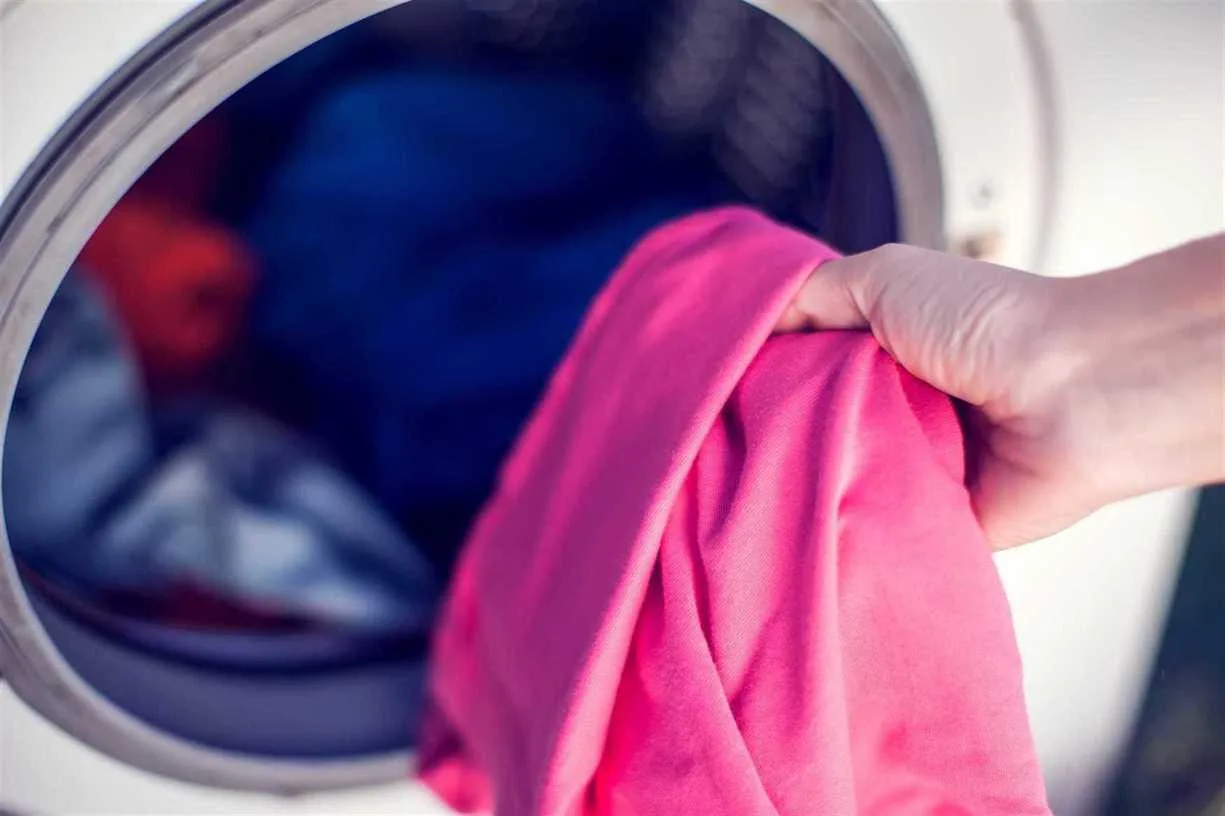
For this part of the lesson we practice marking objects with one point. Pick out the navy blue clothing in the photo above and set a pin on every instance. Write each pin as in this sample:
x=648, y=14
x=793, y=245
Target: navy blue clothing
x=430, y=246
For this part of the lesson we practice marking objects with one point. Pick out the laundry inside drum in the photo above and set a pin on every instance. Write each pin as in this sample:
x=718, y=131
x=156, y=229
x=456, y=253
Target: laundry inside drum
x=272, y=394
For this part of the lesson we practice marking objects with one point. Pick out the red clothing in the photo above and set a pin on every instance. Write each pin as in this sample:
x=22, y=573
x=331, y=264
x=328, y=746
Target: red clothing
x=730, y=574
x=179, y=285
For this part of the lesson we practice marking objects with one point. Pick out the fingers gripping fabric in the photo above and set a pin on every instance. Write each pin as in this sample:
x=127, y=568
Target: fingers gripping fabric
x=726, y=572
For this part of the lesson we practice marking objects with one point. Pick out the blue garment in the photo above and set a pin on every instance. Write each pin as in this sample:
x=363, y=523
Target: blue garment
x=428, y=250
x=264, y=116
x=239, y=507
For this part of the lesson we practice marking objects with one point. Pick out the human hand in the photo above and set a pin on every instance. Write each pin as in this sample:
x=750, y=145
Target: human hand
x=1082, y=391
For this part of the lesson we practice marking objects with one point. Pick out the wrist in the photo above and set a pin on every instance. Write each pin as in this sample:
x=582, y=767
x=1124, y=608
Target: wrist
x=1144, y=371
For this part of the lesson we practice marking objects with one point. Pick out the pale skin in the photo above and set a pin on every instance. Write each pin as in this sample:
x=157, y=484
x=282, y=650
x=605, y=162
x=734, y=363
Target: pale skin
x=1082, y=391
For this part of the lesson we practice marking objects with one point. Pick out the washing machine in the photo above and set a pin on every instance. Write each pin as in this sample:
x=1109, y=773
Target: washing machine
x=1061, y=137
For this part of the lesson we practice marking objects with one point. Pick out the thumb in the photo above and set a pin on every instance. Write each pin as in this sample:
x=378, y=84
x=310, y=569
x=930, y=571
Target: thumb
x=831, y=298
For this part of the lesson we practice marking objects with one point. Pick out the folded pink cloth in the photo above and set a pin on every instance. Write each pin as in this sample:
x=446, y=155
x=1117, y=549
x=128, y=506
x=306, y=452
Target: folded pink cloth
x=729, y=573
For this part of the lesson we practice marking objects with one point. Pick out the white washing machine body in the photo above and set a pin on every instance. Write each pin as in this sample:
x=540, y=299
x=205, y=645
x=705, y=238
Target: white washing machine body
x=1061, y=137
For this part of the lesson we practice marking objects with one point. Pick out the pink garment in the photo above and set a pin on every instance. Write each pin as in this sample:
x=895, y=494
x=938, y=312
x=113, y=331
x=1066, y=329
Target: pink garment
x=729, y=574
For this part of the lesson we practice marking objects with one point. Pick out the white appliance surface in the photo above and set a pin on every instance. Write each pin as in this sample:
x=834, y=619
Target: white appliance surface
x=1139, y=95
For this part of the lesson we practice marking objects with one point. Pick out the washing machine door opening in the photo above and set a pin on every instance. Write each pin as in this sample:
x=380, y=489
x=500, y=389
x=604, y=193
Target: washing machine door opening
x=807, y=109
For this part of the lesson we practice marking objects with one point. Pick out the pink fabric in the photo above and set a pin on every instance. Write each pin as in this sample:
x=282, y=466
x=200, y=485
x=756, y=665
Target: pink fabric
x=729, y=574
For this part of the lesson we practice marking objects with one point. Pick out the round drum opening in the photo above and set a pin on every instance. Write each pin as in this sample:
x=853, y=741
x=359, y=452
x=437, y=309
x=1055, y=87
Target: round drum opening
x=254, y=396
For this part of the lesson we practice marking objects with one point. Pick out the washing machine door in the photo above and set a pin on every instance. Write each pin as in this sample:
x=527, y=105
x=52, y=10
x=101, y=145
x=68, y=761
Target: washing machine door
x=90, y=99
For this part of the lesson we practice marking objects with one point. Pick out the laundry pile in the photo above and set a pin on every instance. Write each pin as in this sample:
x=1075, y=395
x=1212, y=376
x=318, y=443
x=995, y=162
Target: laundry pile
x=277, y=386
x=107, y=495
